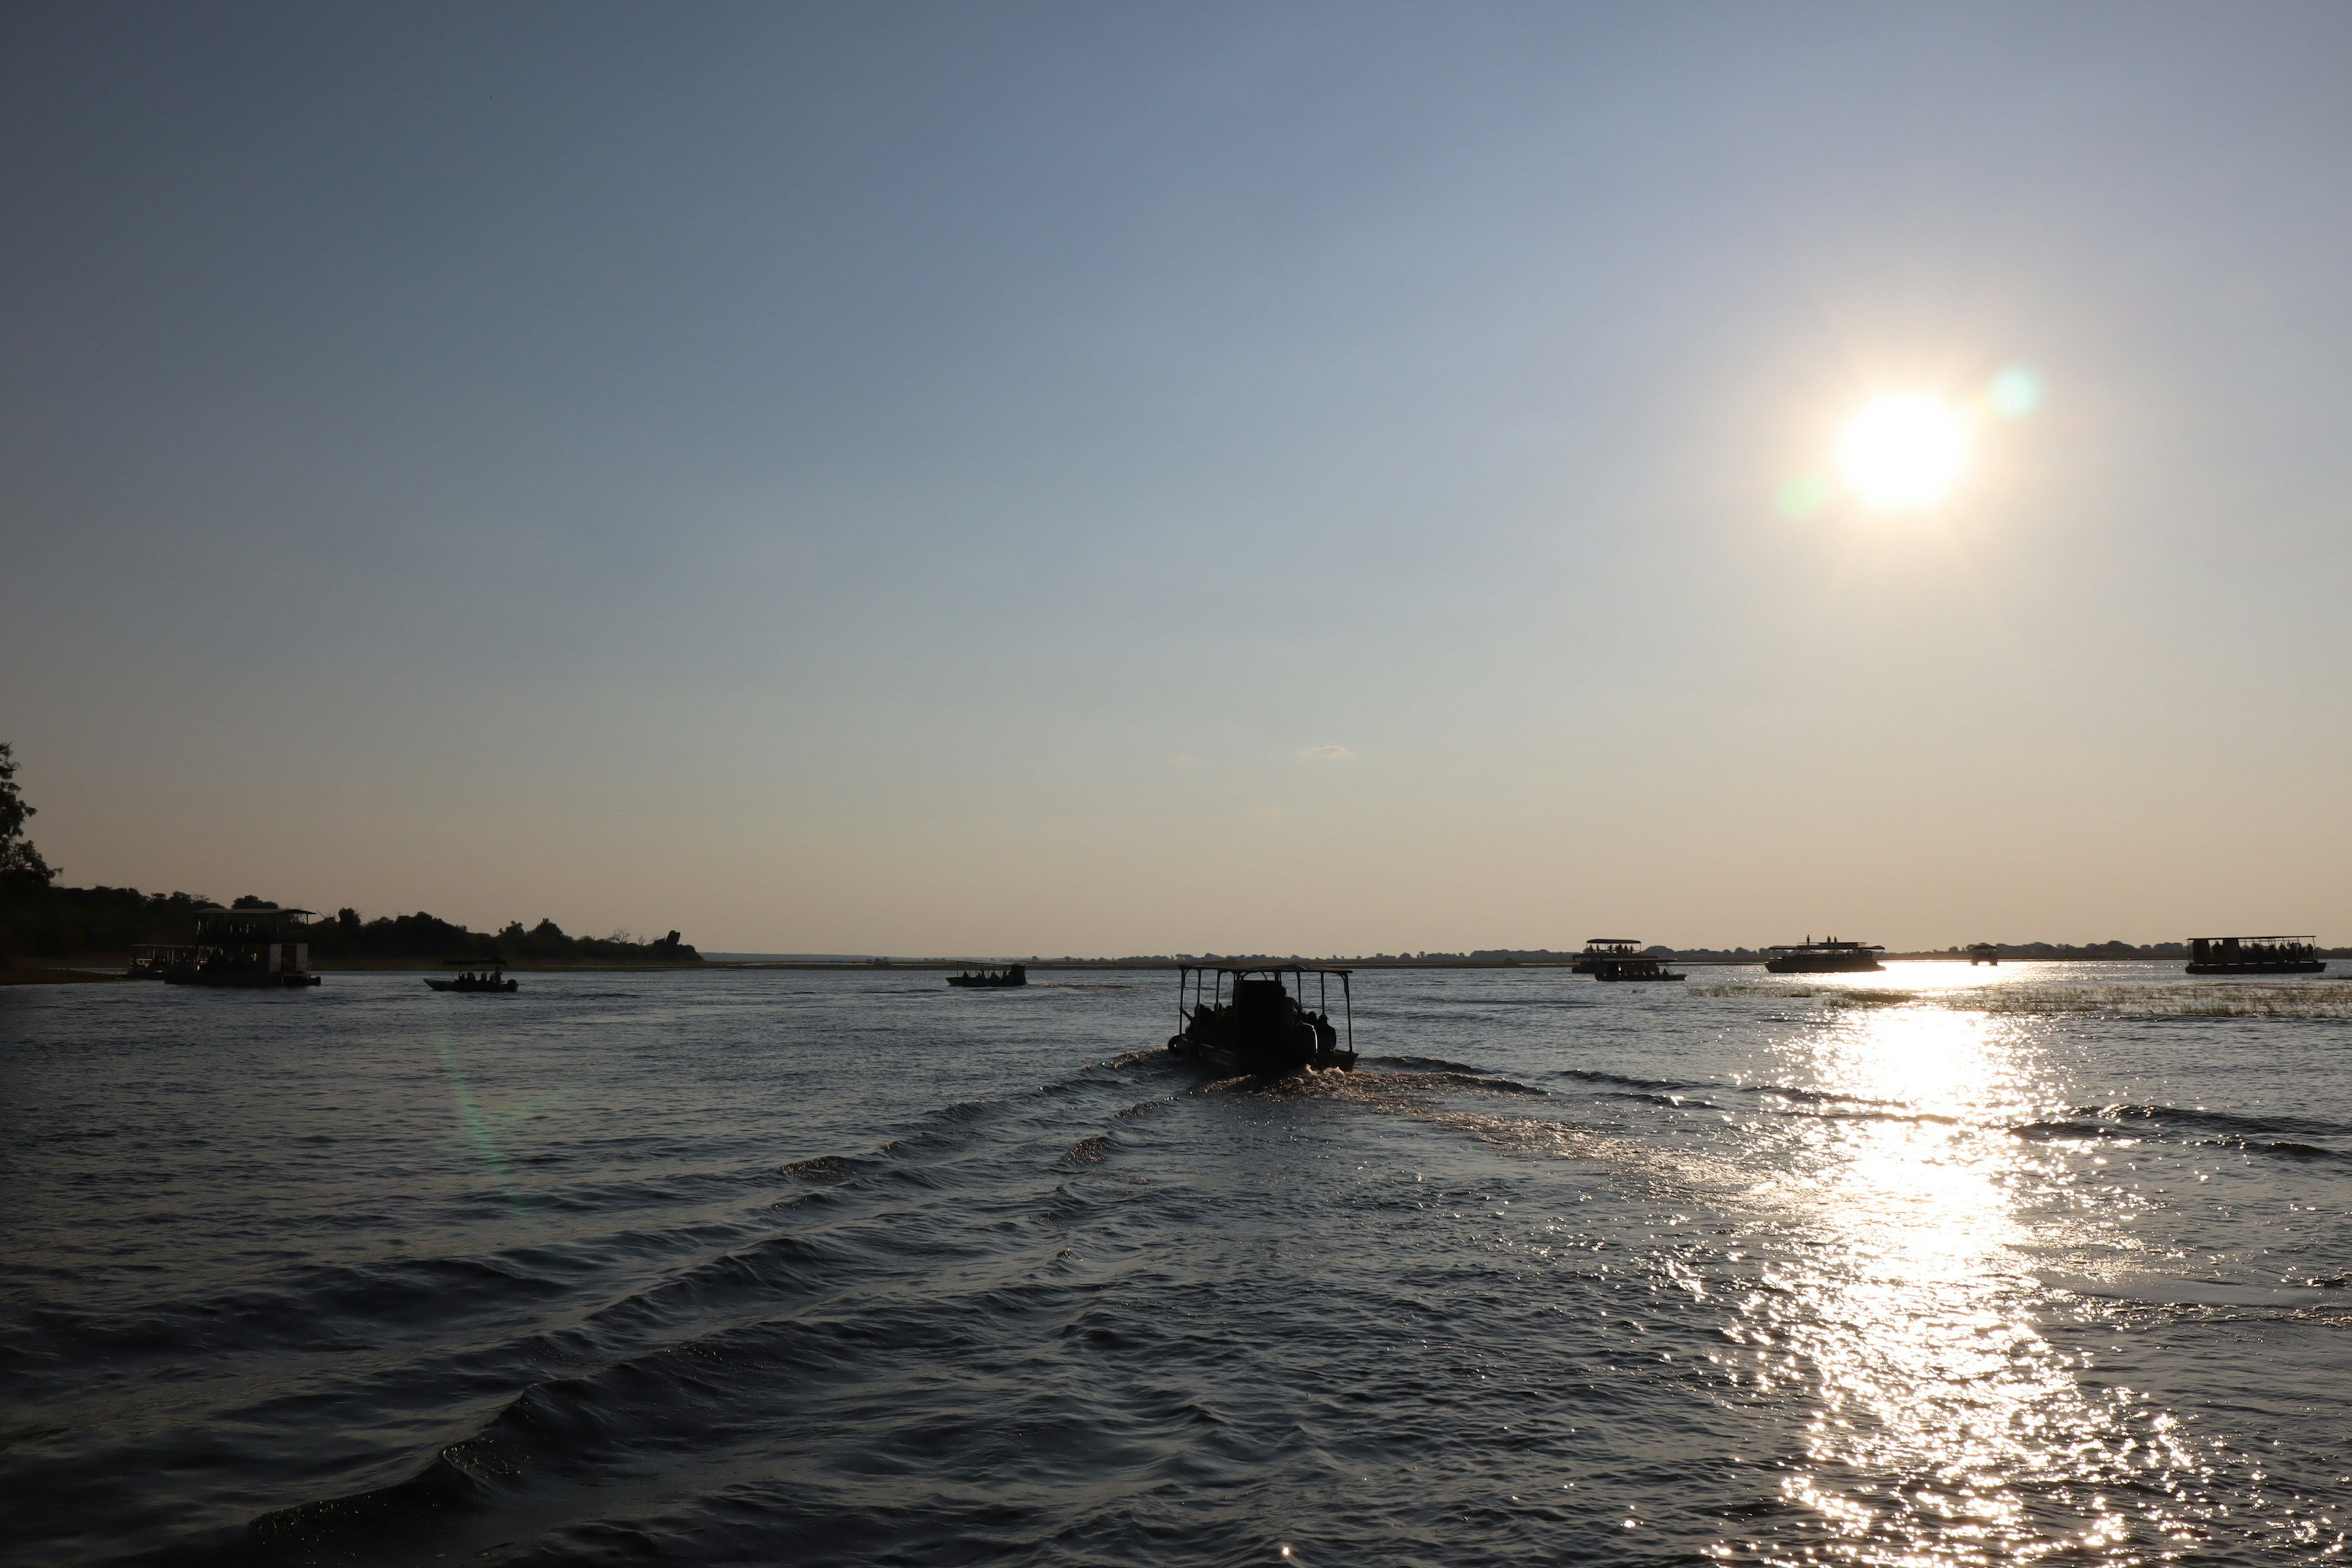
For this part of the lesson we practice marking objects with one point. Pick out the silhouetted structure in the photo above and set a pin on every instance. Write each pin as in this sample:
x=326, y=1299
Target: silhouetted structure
x=1983, y=952
x=255, y=946
x=1241, y=1020
x=2254, y=955
x=1827, y=956
x=1011, y=974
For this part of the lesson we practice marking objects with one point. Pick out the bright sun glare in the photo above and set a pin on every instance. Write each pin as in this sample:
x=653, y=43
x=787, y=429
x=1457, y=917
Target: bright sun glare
x=1904, y=451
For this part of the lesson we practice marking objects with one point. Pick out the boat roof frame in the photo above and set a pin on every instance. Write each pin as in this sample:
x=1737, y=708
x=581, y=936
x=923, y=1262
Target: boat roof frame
x=2302, y=936
x=1825, y=947
x=1262, y=969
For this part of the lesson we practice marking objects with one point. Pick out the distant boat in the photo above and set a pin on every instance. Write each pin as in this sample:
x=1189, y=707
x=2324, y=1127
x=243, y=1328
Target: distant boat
x=1011, y=974
x=2255, y=955
x=476, y=976
x=1827, y=956
x=1601, y=950
x=1242, y=1020
x=1635, y=968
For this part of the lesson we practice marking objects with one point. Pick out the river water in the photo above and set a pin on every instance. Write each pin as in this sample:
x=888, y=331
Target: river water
x=1937, y=1265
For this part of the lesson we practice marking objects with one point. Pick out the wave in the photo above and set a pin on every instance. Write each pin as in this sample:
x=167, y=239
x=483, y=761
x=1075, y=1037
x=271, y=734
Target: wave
x=2288, y=1136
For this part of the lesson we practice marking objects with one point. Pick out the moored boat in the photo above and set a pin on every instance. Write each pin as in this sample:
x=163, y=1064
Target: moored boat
x=1827, y=956
x=1240, y=1019
x=1010, y=974
x=255, y=947
x=2255, y=955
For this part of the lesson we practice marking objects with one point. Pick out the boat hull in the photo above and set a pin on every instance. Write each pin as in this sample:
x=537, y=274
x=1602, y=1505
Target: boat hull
x=2300, y=966
x=1798, y=964
x=1259, y=1059
x=1608, y=978
x=974, y=982
x=461, y=985
x=241, y=981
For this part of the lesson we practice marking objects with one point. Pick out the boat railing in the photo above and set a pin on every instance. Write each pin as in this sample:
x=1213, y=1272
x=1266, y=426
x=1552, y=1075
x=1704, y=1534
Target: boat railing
x=1204, y=984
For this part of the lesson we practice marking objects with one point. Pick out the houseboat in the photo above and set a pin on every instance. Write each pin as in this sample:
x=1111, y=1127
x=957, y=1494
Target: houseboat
x=259, y=946
x=1242, y=1019
x=1827, y=956
x=2254, y=955
x=1010, y=974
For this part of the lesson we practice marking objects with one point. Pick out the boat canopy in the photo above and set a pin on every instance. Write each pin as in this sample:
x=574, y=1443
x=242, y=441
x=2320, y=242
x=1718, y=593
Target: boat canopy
x=2242, y=938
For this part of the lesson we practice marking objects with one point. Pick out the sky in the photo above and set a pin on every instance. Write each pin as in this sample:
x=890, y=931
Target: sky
x=1066, y=478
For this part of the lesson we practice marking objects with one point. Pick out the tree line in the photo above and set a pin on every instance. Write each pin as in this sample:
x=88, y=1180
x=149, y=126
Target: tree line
x=39, y=918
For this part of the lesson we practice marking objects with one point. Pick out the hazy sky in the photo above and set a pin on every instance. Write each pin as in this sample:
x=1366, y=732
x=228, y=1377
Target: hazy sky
x=1102, y=478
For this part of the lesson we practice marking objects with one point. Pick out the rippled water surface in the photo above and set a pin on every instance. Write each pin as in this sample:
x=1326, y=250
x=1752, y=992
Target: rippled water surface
x=1938, y=1265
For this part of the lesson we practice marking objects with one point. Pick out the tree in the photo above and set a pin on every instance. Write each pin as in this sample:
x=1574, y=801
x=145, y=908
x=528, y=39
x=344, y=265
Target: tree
x=20, y=864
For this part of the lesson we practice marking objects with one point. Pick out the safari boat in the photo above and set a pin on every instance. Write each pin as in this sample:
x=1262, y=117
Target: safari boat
x=1827, y=956
x=1241, y=1019
x=1011, y=974
x=2255, y=955
x=476, y=976
x=1601, y=950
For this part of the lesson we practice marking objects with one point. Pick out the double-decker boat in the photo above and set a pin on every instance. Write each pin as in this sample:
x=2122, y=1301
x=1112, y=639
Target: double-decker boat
x=1240, y=1019
x=1601, y=950
x=2255, y=955
x=1010, y=974
x=1827, y=956
x=255, y=947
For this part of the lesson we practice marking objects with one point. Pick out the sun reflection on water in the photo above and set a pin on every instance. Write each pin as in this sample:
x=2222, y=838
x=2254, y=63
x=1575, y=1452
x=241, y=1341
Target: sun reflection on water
x=1947, y=1427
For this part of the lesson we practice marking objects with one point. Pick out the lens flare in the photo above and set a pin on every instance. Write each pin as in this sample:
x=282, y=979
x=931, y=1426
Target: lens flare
x=2014, y=392
x=1904, y=451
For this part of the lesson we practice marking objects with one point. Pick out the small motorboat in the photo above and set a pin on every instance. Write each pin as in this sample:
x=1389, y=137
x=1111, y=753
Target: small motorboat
x=1241, y=1020
x=479, y=977
x=1011, y=974
x=1633, y=968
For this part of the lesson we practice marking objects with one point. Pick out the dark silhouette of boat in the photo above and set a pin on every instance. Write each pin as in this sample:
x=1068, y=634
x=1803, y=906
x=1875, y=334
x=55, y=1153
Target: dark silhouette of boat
x=1240, y=1020
x=1634, y=967
x=1601, y=950
x=1827, y=956
x=477, y=976
x=1011, y=974
x=255, y=947
x=2255, y=955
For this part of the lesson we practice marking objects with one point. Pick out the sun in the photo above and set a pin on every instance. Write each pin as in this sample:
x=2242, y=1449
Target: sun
x=1904, y=451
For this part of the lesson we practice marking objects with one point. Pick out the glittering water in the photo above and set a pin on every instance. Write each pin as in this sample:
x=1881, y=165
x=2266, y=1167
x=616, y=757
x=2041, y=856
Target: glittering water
x=1940, y=1266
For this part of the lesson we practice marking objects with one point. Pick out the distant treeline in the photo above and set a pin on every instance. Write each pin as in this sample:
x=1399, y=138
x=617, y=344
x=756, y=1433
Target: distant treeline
x=56, y=922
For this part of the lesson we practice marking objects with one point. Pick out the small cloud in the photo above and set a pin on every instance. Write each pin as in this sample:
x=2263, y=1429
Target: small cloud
x=1181, y=761
x=1265, y=811
x=1329, y=754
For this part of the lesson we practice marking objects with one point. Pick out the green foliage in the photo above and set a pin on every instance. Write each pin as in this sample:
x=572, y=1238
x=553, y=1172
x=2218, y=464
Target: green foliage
x=21, y=866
